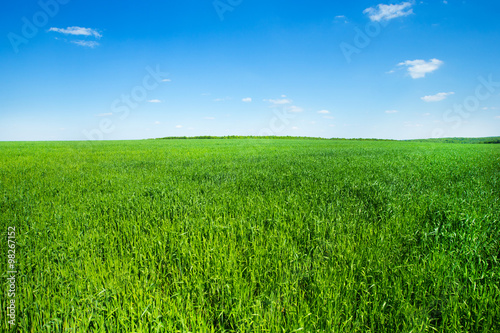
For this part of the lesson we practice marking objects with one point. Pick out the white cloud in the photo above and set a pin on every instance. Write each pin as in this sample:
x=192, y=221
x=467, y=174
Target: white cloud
x=78, y=31
x=391, y=111
x=437, y=97
x=497, y=117
x=104, y=114
x=154, y=101
x=324, y=112
x=284, y=103
x=157, y=123
x=329, y=117
x=294, y=108
x=418, y=68
x=85, y=43
x=209, y=118
x=166, y=80
x=178, y=126
x=280, y=101
x=388, y=12
x=283, y=96
x=295, y=128
x=426, y=114
x=490, y=108
x=342, y=18
x=247, y=99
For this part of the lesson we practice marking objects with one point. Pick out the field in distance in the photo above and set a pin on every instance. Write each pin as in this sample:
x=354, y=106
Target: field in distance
x=252, y=235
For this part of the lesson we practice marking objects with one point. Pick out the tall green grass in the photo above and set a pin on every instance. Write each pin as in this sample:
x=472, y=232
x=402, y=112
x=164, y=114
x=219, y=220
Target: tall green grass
x=252, y=235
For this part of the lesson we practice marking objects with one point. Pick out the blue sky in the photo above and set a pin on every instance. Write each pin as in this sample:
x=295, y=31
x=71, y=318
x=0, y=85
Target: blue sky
x=80, y=70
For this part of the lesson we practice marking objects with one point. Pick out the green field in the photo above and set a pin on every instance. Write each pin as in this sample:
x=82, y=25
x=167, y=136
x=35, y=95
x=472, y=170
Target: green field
x=252, y=235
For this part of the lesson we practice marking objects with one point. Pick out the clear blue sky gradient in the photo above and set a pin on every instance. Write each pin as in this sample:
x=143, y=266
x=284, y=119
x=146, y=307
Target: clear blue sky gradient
x=288, y=57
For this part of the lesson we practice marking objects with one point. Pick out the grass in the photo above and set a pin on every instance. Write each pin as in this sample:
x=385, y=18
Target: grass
x=253, y=235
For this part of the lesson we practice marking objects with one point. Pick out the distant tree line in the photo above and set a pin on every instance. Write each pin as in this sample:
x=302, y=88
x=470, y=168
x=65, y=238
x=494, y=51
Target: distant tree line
x=263, y=137
x=487, y=140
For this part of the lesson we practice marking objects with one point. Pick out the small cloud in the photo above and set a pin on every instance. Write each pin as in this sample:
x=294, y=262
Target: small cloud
x=205, y=94
x=391, y=111
x=418, y=68
x=85, y=43
x=280, y=101
x=426, y=114
x=490, y=108
x=77, y=31
x=436, y=98
x=323, y=112
x=295, y=128
x=328, y=117
x=497, y=117
x=331, y=125
x=313, y=123
x=383, y=12
x=178, y=126
x=166, y=80
x=209, y=118
x=104, y=114
x=283, y=96
x=157, y=123
x=445, y=2
x=247, y=100
x=154, y=101
x=294, y=108
x=341, y=18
